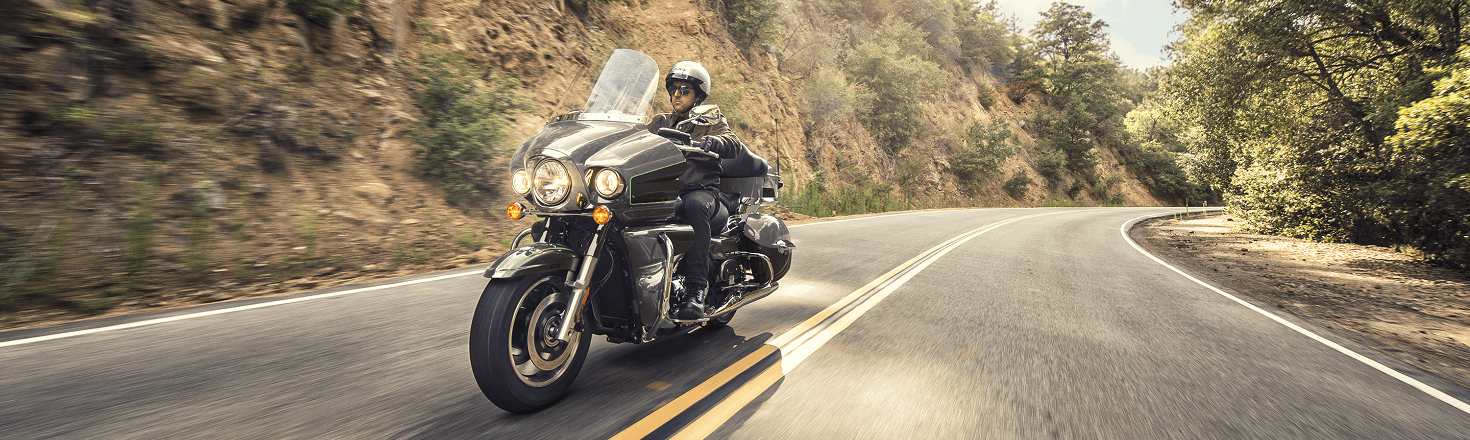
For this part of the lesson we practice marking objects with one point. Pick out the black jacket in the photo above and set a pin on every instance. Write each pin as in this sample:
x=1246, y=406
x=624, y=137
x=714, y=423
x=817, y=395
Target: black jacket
x=704, y=170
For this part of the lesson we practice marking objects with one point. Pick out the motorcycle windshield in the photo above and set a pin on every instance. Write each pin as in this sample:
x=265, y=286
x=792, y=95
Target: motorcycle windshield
x=624, y=90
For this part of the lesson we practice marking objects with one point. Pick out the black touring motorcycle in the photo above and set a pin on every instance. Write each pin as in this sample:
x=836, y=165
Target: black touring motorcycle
x=607, y=242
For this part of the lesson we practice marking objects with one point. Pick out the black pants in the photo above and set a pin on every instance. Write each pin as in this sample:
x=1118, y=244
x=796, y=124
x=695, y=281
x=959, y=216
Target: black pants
x=698, y=209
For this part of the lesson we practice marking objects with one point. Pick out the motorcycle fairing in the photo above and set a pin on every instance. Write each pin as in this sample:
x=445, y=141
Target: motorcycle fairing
x=532, y=258
x=651, y=266
x=649, y=164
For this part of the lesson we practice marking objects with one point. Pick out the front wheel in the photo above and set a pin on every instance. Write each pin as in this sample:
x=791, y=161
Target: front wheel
x=518, y=363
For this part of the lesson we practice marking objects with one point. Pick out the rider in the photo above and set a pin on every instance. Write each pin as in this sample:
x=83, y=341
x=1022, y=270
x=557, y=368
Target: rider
x=688, y=85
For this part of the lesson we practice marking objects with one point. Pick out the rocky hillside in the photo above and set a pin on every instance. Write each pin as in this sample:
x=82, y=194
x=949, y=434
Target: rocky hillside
x=166, y=152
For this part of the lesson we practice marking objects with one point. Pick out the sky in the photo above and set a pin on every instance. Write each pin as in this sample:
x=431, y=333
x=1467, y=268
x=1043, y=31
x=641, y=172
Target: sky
x=1139, y=28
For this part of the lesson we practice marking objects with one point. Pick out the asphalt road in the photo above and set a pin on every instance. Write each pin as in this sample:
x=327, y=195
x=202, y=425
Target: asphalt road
x=1049, y=326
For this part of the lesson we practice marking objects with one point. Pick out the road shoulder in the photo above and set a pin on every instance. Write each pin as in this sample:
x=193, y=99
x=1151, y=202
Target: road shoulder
x=1387, y=300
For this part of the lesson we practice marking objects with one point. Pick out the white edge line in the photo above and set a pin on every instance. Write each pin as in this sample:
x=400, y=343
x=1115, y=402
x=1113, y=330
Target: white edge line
x=1462, y=406
x=228, y=310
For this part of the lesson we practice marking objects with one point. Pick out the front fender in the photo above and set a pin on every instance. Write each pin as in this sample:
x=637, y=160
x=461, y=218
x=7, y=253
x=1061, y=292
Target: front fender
x=532, y=258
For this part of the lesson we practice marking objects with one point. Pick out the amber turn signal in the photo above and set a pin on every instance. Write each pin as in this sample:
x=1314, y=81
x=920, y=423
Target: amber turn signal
x=601, y=215
x=515, y=211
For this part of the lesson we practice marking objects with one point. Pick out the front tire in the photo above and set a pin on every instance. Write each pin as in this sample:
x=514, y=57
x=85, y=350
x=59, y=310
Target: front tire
x=517, y=362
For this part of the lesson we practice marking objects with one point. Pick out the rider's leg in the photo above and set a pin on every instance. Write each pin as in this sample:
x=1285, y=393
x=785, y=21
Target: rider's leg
x=696, y=208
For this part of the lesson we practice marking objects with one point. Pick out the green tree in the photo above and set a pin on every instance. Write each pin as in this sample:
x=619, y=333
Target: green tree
x=1073, y=69
x=1288, y=105
x=984, y=37
x=891, y=64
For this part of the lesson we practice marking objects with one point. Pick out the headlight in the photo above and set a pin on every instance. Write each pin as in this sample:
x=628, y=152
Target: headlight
x=552, y=183
x=608, y=183
x=521, y=182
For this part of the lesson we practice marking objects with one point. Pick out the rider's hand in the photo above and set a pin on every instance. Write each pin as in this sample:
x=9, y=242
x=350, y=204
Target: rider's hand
x=709, y=143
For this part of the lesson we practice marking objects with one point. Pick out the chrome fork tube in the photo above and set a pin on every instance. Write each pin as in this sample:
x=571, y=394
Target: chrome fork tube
x=579, y=282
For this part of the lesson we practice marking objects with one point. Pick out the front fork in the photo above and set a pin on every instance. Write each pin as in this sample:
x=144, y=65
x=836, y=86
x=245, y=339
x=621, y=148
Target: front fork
x=580, y=283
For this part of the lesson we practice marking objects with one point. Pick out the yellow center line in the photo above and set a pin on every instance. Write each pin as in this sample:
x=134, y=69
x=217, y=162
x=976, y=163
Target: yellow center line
x=794, y=346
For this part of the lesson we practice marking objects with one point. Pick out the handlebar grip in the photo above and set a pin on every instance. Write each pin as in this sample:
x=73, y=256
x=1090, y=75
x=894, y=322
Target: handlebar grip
x=678, y=137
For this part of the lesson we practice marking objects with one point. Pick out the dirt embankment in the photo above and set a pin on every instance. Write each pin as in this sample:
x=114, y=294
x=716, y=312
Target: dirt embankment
x=1406, y=308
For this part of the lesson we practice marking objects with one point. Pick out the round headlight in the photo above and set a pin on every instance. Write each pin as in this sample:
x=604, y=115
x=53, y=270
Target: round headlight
x=608, y=183
x=552, y=183
x=521, y=182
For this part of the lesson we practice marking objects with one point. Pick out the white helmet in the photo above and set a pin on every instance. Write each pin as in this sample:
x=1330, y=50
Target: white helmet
x=691, y=72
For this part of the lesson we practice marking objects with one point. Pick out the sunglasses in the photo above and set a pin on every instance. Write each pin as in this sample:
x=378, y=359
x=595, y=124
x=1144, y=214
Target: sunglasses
x=681, y=89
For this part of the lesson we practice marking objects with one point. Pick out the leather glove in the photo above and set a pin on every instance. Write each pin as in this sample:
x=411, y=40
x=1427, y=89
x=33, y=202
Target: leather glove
x=709, y=143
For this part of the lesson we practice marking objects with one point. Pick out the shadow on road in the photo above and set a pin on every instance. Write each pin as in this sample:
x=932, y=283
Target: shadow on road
x=619, y=385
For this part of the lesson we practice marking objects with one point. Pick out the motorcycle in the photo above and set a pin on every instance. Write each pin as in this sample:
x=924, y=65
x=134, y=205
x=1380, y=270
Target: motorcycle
x=601, y=256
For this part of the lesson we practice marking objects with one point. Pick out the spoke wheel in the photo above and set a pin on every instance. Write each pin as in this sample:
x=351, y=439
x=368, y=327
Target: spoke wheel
x=517, y=360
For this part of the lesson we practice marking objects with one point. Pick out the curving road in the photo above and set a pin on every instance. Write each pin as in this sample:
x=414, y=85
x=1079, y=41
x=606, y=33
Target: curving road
x=992, y=323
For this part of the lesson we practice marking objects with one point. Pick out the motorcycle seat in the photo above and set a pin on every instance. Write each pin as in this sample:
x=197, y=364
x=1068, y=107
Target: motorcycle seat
x=746, y=164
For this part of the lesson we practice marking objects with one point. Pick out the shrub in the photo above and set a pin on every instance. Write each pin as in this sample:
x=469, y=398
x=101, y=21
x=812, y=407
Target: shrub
x=1077, y=187
x=891, y=65
x=1101, y=191
x=987, y=97
x=831, y=99
x=985, y=149
x=464, y=122
x=1019, y=183
x=755, y=21
x=1051, y=165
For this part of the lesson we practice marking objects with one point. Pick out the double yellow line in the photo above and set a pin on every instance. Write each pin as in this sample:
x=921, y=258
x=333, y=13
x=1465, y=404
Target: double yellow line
x=702, y=410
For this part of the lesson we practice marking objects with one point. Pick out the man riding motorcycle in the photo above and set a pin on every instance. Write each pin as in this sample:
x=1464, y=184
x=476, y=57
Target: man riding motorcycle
x=688, y=84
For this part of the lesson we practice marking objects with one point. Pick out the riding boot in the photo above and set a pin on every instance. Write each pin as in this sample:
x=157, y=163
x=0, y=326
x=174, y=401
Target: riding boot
x=693, y=305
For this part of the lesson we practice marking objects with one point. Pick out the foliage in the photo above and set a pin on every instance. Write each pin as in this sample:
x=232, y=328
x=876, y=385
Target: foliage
x=831, y=99
x=471, y=238
x=1102, y=191
x=891, y=65
x=1072, y=67
x=1018, y=184
x=139, y=230
x=198, y=238
x=1051, y=165
x=1431, y=150
x=464, y=122
x=76, y=116
x=1076, y=189
x=984, y=37
x=755, y=21
x=985, y=149
x=1063, y=132
x=1287, y=107
x=728, y=93
x=987, y=97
